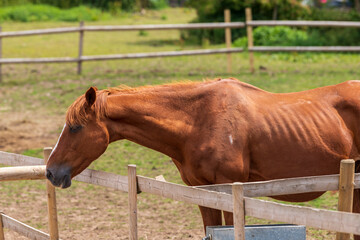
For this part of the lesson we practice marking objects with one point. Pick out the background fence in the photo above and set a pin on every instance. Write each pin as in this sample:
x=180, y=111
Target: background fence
x=227, y=25
x=227, y=197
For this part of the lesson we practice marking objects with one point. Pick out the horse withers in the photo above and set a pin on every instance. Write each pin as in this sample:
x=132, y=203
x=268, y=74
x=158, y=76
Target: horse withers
x=219, y=131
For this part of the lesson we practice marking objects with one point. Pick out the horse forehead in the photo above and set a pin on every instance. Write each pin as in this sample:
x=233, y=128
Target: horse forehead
x=57, y=143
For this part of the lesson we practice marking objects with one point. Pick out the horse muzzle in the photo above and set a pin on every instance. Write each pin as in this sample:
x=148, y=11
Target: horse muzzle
x=59, y=177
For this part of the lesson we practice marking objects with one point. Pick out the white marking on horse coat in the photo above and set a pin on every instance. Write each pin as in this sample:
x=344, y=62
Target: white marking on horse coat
x=231, y=139
x=58, y=140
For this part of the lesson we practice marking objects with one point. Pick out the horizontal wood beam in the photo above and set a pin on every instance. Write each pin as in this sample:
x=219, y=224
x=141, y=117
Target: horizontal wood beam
x=186, y=194
x=166, y=26
x=124, y=28
x=310, y=217
x=13, y=159
x=285, y=186
x=161, y=54
x=22, y=173
x=120, y=56
x=104, y=179
x=306, y=49
x=256, y=23
x=23, y=229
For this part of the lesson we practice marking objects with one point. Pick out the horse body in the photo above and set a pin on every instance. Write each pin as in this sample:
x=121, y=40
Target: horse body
x=219, y=132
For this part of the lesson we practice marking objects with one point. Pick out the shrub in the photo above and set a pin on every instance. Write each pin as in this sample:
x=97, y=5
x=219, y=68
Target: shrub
x=213, y=11
x=158, y=4
x=31, y=13
x=275, y=36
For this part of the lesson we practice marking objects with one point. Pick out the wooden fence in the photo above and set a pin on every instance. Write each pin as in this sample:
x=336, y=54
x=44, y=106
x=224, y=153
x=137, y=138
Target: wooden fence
x=227, y=197
x=227, y=25
x=250, y=23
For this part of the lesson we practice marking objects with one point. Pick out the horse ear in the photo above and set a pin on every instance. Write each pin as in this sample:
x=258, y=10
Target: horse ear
x=91, y=96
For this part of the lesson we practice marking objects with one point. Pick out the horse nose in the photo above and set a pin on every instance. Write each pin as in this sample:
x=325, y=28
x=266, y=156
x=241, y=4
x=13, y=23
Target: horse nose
x=49, y=175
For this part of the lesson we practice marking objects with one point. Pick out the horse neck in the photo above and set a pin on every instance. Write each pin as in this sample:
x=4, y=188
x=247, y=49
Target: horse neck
x=160, y=119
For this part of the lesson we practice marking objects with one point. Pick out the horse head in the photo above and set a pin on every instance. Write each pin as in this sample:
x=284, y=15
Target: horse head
x=83, y=139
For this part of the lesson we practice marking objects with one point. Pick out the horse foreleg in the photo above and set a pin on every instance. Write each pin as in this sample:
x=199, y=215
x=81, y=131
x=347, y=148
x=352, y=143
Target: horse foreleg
x=211, y=217
x=356, y=207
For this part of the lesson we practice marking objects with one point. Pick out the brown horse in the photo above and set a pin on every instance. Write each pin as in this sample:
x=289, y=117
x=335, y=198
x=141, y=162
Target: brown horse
x=219, y=131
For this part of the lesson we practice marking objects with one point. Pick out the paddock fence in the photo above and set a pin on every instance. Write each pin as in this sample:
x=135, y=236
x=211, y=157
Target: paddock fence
x=227, y=25
x=236, y=198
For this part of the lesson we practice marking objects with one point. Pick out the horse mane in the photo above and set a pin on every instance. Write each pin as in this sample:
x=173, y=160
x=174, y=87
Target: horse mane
x=77, y=114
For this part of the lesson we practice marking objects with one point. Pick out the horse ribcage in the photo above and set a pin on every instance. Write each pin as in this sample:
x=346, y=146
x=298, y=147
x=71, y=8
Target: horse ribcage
x=305, y=124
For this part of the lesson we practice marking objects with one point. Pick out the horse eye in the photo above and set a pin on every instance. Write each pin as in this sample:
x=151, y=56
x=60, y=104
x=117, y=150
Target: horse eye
x=75, y=129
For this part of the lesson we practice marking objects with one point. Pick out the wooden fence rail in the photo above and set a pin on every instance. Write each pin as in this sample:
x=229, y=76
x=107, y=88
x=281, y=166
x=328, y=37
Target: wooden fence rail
x=227, y=25
x=22, y=228
x=120, y=56
x=146, y=27
x=251, y=48
x=306, y=49
x=251, y=189
x=323, y=219
x=299, y=23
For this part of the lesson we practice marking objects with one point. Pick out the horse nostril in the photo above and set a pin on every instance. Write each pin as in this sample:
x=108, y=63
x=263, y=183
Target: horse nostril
x=49, y=175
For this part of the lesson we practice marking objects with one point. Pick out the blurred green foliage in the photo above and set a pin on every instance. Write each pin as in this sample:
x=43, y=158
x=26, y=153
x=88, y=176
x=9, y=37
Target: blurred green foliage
x=31, y=13
x=213, y=11
x=275, y=36
x=114, y=6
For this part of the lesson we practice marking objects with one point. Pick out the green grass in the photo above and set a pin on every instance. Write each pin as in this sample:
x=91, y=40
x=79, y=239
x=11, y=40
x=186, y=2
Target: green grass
x=52, y=88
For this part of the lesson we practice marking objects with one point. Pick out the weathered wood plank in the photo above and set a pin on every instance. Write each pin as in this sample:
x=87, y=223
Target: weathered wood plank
x=2, y=235
x=23, y=229
x=13, y=159
x=100, y=178
x=187, y=194
x=239, y=211
x=227, y=16
x=161, y=54
x=104, y=179
x=298, y=23
x=286, y=186
x=38, y=60
x=166, y=26
x=132, y=190
x=306, y=49
x=22, y=173
x=51, y=203
x=310, y=217
x=124, y=28
x=249, y=33
x=346, y=191
x=119, y=56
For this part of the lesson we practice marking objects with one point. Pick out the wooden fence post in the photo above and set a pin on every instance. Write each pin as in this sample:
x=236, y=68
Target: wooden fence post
x=0, y=55
x=228, y=38
x=2, y=236
x=346, y=191
x=239, y=211
x=250, y=38
x=81, y=43
x=51, y=200
x=132, y=184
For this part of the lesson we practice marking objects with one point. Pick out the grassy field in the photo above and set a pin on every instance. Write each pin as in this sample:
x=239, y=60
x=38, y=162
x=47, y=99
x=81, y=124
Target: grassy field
x=37, y=96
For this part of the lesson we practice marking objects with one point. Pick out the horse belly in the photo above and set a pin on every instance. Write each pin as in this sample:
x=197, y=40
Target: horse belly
x=290, y=144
